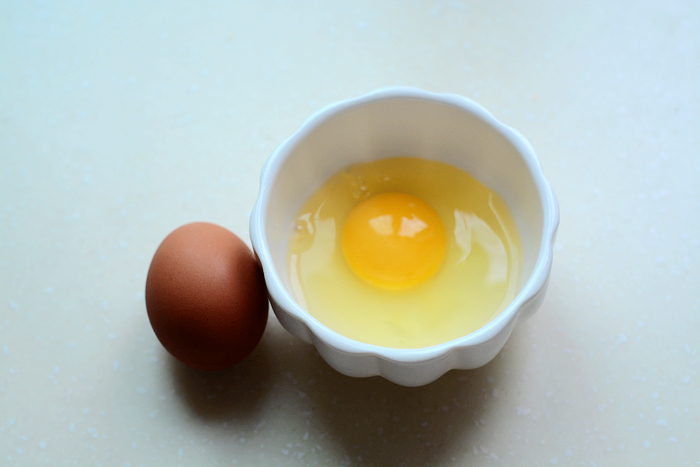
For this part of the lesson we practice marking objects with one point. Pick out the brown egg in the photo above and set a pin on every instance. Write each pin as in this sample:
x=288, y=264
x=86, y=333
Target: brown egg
x=206, y=296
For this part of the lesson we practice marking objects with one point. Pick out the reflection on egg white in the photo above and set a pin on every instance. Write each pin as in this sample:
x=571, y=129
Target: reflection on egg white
x=319, y=255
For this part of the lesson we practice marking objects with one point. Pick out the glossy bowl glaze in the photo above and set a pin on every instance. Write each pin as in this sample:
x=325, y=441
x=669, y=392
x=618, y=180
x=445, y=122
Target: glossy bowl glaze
x=404, y=121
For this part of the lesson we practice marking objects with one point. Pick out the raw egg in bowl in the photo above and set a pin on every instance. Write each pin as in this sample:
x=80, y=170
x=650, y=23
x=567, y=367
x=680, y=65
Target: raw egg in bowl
x=403, y=233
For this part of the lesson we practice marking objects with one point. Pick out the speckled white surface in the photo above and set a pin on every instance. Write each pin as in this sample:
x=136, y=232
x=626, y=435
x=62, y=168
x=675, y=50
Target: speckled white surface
x=121, y=121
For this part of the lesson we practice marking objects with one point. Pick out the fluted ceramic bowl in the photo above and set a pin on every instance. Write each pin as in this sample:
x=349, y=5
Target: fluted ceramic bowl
x=404, y=121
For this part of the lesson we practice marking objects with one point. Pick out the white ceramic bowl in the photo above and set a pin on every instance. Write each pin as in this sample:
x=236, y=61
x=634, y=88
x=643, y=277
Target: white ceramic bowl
x=409, y=122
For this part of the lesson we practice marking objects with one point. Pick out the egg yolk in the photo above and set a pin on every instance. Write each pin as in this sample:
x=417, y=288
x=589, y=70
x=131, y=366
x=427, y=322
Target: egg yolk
x=394, y=241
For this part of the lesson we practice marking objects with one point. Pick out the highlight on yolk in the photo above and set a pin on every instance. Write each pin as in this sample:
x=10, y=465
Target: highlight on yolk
x=394, y=240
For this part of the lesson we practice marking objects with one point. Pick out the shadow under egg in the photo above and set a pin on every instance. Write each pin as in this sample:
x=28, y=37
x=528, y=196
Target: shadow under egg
x=236, y=393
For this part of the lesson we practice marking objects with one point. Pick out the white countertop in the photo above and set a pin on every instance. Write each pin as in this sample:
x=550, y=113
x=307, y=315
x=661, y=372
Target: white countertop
x=121, y=121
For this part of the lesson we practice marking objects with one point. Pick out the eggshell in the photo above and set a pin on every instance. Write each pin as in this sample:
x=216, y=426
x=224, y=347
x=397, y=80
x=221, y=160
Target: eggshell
x=206, y=296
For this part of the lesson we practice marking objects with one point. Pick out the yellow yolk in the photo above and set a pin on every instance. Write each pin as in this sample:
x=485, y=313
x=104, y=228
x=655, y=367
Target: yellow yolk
x=394, y=241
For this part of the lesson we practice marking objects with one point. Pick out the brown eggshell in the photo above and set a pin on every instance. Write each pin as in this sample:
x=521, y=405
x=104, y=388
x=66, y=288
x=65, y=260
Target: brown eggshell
x=206, y=296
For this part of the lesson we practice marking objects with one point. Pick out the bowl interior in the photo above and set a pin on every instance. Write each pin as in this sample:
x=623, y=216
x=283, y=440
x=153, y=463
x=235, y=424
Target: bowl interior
x=452, y=130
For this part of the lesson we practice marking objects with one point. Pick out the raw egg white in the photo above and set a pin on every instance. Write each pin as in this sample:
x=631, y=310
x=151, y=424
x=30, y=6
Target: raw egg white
x=206, y=296
x=404, y=252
